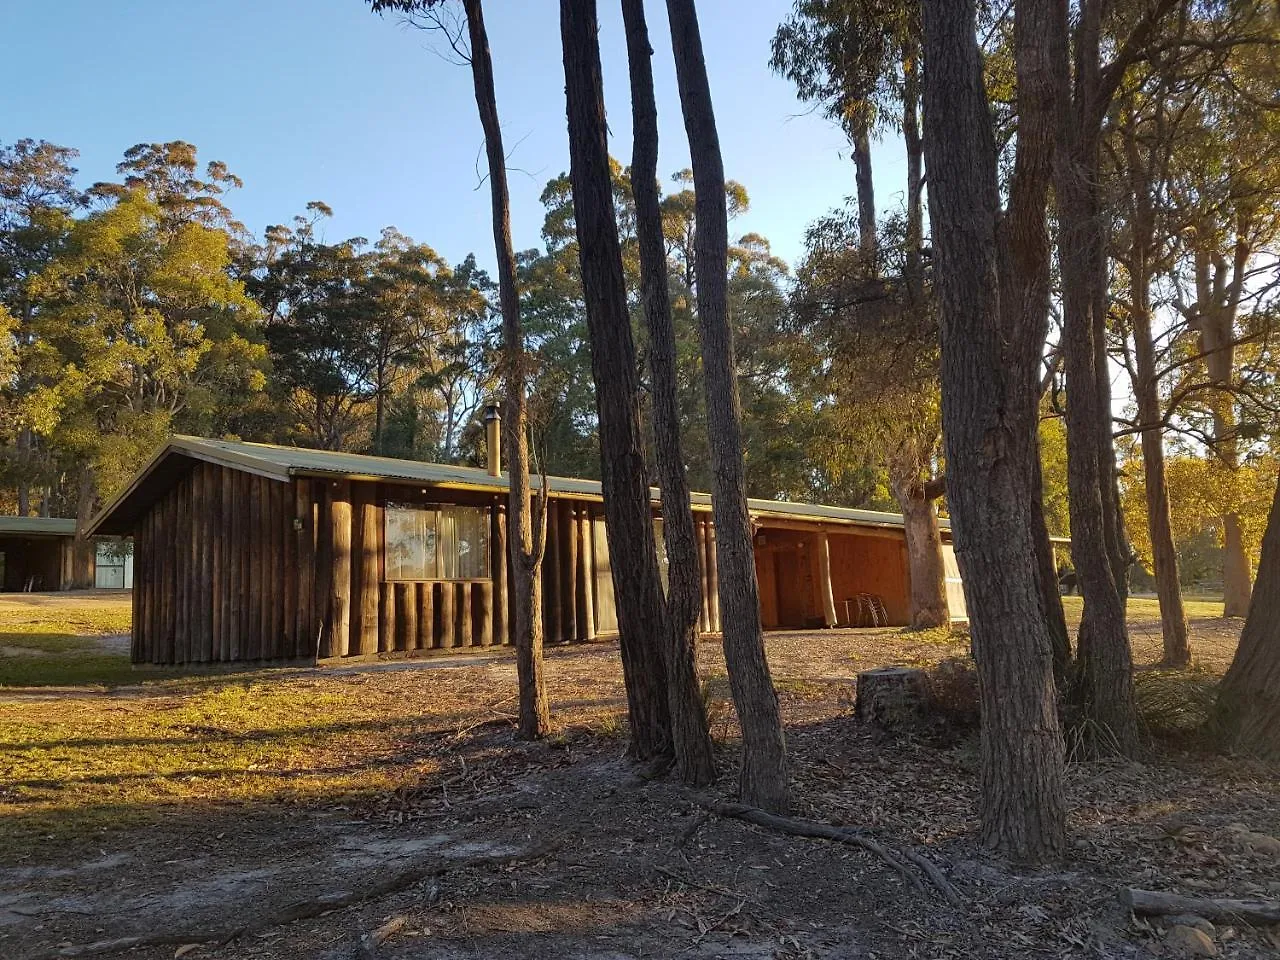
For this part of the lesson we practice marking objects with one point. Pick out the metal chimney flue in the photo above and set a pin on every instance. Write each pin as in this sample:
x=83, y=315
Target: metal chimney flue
x=493, y=439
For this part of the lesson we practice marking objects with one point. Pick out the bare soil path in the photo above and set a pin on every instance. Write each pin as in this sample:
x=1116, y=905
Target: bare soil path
x=392, y=813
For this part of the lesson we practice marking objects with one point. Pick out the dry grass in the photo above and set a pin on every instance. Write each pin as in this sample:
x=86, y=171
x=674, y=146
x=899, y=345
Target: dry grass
x=211, y=782
x=116, y=746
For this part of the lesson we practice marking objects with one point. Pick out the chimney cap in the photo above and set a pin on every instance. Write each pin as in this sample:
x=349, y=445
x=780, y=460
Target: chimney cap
x=491, y=412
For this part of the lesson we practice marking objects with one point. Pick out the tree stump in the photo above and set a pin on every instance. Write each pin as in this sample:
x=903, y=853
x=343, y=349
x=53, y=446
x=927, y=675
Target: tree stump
x=892, y=696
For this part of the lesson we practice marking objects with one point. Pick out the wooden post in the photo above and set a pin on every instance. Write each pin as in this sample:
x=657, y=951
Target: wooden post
x=303, y=534
x=445, y=630
x=462, y=610
x=235, y=563
x=551, y=576
x=498, y=569
x=426, y=607
x=259, y=623
x=387, y=613
x=368, y=601
x=275, y=578
x=700, y=534
x=482, y=612
x=224, y=597
x=188, y=558
x=586, y=577
x=340, y=537
x=406, y=616
x=201, y=542
x=568, y=531
x=138, y=599
x=824, y=581
x=713, y=579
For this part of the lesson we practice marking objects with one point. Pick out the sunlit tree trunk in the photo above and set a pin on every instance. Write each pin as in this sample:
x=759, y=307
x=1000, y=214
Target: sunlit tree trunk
x=690, y=734
x=526, y=535
x=1104, y=664
x=633, y=554
x=865, y=182
x=988, y=370
x=925, y=566
x=764, y=765
x=1249, y=698
x=1146, y=387
x=82, y=548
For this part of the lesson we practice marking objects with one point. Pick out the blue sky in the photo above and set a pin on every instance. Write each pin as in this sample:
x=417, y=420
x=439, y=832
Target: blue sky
x=321, y=100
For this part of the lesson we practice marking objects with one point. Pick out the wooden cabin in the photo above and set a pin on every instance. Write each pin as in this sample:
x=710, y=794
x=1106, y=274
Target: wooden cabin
x=37, y=553
x=247, y=551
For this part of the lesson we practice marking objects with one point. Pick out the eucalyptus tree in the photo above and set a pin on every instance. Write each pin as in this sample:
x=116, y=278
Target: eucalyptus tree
x=878, y=339
x=691, y=738
x=992, y=282
x=642, y=614
x=38, y=199
x=140, y=329
x=859, y=60
x=468, y=38
x=763, y=779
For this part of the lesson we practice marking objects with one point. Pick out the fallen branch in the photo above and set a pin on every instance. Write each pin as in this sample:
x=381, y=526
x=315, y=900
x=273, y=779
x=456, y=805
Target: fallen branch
x=1155, y=903
x=853, y=837
x=298, y=910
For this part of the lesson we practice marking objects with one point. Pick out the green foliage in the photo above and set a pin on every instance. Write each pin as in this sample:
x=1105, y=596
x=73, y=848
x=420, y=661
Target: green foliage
x=846, y=56
x=875, y=346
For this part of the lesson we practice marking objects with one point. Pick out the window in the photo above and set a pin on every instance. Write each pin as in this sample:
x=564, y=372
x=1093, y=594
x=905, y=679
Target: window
x=436, y=541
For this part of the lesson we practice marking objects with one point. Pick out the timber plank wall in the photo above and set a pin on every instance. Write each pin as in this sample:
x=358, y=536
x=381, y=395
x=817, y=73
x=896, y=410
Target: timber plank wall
x=231, y=566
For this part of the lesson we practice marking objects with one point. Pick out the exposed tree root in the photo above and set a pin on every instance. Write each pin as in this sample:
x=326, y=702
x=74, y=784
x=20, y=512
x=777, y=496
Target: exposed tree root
x=1157, y=903
x=298, y=910
x=853, y=836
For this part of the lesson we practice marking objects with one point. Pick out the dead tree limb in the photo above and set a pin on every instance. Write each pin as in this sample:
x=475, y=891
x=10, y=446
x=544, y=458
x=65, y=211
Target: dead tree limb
x=852, y=836
x=308, y=909
x=1157, y=903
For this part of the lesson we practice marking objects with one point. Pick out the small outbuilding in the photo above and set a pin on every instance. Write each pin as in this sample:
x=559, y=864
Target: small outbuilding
x=37, y=553
x=248, y=551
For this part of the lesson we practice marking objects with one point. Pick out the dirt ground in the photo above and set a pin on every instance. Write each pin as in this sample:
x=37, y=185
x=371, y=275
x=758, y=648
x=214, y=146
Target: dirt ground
x=449, y=838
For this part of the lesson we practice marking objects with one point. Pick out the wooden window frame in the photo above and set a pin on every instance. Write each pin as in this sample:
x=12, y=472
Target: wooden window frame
x=438, y=509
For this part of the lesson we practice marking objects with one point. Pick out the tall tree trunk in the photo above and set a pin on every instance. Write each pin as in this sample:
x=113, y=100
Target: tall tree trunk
x=1146, y=388
x=1217, y=341
x=1025, y=258
x=1104, y=661
x=915, y=171
x=865, y=182
x=25, y=454
x=526, y=534
x=83, y=552
x=764, y=762
x=1249, y=698
x=628, y=514
x=925, y=566
x=1055, y=618
x=379, y=418
x=987, y=428
x=691, y=737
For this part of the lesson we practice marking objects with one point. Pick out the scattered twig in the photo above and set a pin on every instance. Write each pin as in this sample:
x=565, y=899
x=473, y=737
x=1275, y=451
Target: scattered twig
x=853, y=837
x=1156, y=903
x=718, y=891
x=299, y=910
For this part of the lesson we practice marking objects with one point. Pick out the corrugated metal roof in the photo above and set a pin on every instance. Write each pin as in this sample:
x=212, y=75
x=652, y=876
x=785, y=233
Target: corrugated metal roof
x=282, y=463
x=37, y=526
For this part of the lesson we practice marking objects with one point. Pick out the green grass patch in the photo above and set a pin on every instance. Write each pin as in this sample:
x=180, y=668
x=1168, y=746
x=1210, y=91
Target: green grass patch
x=75, y=765
x=74, y=615
x=72, y=670
x=1148, y=608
